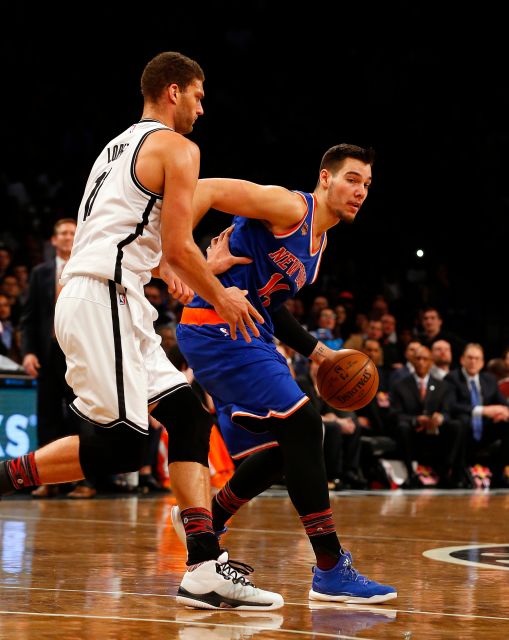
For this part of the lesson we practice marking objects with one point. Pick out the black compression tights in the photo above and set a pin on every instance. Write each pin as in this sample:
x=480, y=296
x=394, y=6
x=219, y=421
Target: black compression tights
x=300, y=459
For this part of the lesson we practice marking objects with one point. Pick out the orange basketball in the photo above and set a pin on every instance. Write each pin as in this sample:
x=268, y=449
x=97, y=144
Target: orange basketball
x=348, y=380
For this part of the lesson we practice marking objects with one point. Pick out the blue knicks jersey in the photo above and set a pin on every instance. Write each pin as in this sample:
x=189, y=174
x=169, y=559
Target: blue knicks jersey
x=282, y=264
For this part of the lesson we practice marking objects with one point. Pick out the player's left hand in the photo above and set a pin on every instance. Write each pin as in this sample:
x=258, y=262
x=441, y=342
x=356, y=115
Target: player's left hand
x=219, y=257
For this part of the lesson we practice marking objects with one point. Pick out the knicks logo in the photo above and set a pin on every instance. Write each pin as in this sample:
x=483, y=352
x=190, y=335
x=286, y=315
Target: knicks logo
x=485, y=556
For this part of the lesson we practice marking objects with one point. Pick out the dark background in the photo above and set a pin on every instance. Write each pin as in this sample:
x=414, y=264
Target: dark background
x=425, y=84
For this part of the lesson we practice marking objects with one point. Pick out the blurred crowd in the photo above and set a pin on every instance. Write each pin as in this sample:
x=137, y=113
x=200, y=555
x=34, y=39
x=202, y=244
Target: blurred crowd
x=422, y=428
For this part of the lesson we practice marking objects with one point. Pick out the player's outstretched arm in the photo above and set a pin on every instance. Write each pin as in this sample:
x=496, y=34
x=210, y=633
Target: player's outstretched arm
x=277, y=205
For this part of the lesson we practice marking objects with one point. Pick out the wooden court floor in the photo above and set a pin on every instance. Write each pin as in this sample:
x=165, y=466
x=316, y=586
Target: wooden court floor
x=108, y=568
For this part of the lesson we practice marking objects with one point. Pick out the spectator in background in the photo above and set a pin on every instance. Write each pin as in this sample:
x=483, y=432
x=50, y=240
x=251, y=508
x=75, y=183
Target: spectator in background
x=9, y=287
x=374, y=415
x=9, y=344
x=319, y=303
x=432, y=331
x=379, y=307
x=499, y=368
x=22, y=276
x=299, y=311
x=481, y=406
x=343, y=327
x=325, y=330
x=441, y=355
x=5, y=260
x=43, y=358
x=168, y=337
x=423, y=427
x=393, y=356
x=359, y=334
x=159, y=300
x=409, y=367
x=505, y=356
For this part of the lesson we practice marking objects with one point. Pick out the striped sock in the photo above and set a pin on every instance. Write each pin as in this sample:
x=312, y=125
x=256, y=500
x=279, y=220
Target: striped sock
x=224, y=505
x=321, y=531
x=20, y=473
x=201, y=542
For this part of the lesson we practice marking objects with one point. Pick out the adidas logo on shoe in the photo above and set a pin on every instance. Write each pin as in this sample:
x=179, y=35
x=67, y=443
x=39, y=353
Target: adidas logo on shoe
x=343, y=583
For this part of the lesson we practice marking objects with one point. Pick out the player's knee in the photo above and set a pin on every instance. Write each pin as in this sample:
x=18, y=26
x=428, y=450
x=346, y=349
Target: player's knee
x=117, y=449
x=302, y=429
x=188, y=425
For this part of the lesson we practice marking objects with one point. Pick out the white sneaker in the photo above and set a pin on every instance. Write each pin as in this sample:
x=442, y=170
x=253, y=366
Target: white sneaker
x=222, y=625
x=221, y=584
x=178, y=525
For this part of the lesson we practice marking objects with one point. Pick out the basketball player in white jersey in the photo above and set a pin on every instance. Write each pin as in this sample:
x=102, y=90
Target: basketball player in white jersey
x=136, y=213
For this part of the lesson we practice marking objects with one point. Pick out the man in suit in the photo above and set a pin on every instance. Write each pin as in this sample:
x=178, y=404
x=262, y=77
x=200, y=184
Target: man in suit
x=480, y=405
x=419, y=412
x=42, y=357
x=432, y=331
x=408, y=368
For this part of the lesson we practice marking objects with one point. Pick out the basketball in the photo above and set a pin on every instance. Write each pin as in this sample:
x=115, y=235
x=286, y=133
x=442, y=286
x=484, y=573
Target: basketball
x=348, y=380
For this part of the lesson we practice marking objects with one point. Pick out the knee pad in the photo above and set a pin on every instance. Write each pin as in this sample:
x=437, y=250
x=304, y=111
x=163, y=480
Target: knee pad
x=117, y=449
x=188, y=425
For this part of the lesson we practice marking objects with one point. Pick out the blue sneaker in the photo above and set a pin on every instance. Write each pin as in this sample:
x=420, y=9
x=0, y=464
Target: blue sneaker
x=343, y=583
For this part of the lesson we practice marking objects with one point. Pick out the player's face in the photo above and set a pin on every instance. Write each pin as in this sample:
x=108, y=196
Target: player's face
x=348, y=188
x=189, y=107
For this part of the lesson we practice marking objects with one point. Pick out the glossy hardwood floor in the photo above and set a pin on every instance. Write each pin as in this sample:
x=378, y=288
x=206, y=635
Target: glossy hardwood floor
x=108, y=568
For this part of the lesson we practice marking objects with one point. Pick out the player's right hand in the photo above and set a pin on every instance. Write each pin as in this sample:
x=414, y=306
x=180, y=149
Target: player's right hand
x=31, y=365
x=237, y=311
x=219, y=257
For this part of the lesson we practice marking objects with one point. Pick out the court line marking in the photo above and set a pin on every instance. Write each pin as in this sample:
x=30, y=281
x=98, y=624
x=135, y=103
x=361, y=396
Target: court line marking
x=135, y=523
x=443, y=555
x=350, y=607
x=182, y=623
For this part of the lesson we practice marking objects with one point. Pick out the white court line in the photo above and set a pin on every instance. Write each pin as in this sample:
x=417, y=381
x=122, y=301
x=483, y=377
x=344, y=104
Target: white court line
x=182, y=623
x=296, y=532
x=293, y=604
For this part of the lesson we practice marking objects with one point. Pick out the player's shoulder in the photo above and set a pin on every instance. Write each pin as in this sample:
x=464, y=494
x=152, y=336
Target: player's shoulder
x=169, y=142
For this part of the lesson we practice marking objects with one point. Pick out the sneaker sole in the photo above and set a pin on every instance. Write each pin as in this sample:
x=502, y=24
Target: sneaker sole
x=315, y=595
x=193, y=602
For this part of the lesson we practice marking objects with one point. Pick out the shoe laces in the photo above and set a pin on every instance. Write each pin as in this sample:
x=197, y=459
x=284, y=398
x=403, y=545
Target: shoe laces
x=352, y=573
x=235, y=571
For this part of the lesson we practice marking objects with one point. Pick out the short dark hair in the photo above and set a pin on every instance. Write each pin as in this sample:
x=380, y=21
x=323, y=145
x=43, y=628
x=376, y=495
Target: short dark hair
x=335, y=156
x=62, y=221
x=168, y=68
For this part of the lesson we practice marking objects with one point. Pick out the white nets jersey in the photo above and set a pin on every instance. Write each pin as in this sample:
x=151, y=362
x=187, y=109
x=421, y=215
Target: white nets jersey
x=119, y=220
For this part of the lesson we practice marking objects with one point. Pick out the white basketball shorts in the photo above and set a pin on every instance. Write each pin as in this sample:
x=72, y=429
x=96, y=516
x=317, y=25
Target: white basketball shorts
x=115, y=363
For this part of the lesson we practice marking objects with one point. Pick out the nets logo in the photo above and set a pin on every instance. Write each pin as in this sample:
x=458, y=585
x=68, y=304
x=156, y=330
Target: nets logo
x=486, y=556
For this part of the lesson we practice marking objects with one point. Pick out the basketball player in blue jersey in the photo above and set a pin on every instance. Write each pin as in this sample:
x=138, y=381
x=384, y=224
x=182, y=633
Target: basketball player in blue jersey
x=261, y=409
x=137, y=207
